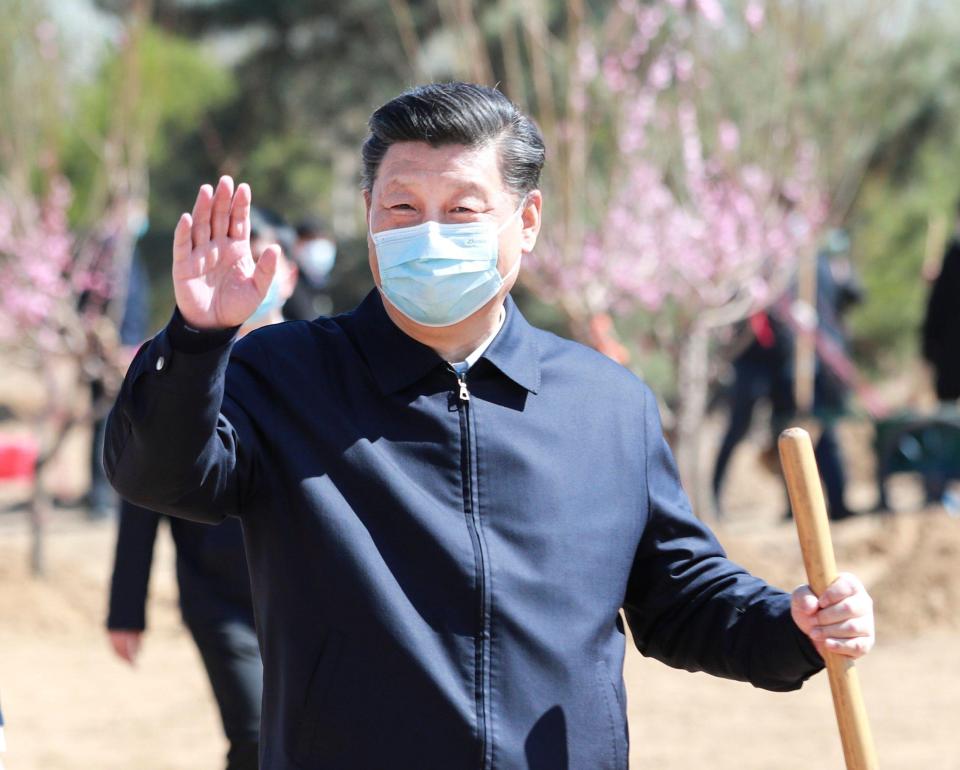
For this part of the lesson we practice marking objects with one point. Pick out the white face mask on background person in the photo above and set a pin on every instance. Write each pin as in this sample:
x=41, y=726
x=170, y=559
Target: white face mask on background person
x=316, y=258
x=439, y=274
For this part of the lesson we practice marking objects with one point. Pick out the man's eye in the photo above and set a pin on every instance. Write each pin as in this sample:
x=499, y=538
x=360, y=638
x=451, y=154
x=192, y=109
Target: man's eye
x=462, y=210
x=401, y=207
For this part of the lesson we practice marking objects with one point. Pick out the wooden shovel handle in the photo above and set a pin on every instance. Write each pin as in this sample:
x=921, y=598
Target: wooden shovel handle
x=810, y=515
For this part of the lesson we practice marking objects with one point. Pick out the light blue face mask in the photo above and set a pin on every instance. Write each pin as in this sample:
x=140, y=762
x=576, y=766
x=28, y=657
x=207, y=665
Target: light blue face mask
x=439, y=274
x=271, y=301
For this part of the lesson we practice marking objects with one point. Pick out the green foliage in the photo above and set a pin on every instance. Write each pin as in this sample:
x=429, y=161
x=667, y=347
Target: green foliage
x=872, y=82
x=890, y=228
x=290, y=175
x=172, y=87
x=912, y=186
x=874, y=85
x=30, y=94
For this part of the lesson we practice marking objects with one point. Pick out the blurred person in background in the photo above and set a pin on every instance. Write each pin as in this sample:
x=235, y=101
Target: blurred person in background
x=765, y=369
x=941, y=325
x=212, y=575
x=101, y=500
x=315, y=253
x=762, y=370
x=838, y=290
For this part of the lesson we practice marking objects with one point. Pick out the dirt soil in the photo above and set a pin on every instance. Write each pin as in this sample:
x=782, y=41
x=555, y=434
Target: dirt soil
x=68, y=703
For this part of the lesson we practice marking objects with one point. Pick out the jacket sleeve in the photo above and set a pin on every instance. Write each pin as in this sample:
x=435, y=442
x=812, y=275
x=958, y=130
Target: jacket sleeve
x=131, y=568
x=169, y=446
x=691, y=607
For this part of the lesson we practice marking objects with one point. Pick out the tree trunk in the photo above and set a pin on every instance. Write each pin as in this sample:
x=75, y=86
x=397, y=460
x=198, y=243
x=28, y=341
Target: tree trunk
x=39, y=514
x=692, y=409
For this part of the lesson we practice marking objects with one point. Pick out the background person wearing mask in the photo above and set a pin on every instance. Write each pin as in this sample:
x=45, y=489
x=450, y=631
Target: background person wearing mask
x=315, y=253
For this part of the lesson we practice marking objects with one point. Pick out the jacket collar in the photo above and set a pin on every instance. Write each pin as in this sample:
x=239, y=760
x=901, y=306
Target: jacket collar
x=514, y=350
x=397, y=360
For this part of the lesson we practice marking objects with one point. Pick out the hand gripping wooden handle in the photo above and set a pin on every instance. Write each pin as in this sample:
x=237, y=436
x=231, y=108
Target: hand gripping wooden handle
x=810, y=515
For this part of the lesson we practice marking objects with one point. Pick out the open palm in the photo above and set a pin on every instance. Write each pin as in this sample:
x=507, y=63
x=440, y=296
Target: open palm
x=217, y=280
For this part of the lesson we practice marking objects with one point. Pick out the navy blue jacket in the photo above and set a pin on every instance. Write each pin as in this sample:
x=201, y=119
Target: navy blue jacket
x=437, y=574
x=211, y=571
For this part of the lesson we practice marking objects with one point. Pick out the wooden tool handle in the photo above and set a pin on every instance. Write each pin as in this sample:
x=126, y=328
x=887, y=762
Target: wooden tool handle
x=810, y=515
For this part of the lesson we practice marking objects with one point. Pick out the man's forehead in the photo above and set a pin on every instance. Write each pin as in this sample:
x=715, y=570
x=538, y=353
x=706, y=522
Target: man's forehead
x=416, y=163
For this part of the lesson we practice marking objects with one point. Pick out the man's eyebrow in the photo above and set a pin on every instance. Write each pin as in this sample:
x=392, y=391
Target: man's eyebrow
x=402, y=184
x=471, y=188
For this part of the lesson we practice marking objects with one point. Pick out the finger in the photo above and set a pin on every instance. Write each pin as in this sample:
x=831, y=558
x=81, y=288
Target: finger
x=803, y=608
x=848, y=629
x=120, y=644
x=844, y=586
x=850, y=648
x=182, y=241
x=857, y=606
x=201, y=216
x=220, y=216
x=266, y=268
x=240, y=213
x=804, y=601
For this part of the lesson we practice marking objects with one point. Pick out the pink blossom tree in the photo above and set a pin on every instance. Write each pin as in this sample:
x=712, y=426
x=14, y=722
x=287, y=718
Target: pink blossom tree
x=60, y=289
x=54, y=291
x=656, y=208
x=683, y=227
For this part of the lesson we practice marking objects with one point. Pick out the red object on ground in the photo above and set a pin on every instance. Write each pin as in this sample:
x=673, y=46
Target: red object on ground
x=18, y=458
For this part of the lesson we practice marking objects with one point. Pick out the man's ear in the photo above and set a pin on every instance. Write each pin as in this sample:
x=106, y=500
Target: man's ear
x=531, y=220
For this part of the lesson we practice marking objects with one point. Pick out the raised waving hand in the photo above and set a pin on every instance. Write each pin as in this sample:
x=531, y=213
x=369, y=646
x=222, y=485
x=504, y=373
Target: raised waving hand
x=218, y=282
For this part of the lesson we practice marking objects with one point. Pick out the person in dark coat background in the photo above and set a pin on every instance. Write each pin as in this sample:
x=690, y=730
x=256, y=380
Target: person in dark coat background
x=762, y=369
x=765, y=369
x=838, y=290
x=314, y=251
x=444, y=507
x=212, y=577
x=101, y=500
x=941, y=325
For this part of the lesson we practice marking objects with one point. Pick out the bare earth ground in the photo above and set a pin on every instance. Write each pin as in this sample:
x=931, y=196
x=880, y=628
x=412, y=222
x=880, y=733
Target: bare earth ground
x=69, y=703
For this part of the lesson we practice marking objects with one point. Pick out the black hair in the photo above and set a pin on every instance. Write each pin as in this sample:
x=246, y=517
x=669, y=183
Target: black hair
x=269, y=225
x=458, y=113
x=311, y=227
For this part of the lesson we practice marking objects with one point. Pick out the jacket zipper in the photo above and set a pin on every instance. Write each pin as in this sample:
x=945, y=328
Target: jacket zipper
x=471, y=513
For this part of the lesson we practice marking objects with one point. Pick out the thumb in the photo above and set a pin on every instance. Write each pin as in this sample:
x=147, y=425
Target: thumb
x=803, y=607
x=266, y=268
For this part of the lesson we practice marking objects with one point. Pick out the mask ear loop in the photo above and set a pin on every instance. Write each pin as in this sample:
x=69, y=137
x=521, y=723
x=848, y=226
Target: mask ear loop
x=519, y=209
x=519, y=259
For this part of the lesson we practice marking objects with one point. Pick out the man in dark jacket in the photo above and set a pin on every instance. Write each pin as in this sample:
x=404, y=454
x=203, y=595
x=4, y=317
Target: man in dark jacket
x=444, y=508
